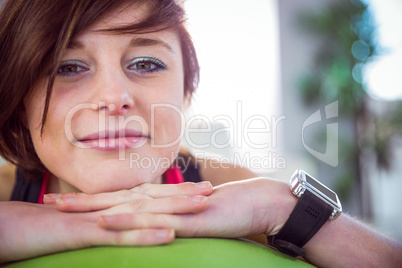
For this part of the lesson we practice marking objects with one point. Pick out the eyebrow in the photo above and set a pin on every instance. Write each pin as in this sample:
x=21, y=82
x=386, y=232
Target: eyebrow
x=144, y=42
x=135, y=42
x=75, y=45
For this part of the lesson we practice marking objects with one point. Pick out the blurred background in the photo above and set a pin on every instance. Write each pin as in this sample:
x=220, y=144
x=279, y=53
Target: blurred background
x=311, y=84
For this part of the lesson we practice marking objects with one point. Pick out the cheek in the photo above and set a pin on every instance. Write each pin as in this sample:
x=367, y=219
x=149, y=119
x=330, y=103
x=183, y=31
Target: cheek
x=167, y=127
x=34, y=105
x=53, y=140
x=48, y=144
x=167, y=117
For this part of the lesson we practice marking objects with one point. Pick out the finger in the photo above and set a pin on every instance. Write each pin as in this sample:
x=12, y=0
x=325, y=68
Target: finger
x=139, y=237
x=137, y=221
x=189, y=225
x=80, y=202
x=181, y=189
x=50, y=198
x=168, y=205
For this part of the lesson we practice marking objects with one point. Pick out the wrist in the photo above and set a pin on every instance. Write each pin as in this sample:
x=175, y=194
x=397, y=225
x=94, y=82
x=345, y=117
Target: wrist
x=316, y=205
x=287, y=204
x=281, y=205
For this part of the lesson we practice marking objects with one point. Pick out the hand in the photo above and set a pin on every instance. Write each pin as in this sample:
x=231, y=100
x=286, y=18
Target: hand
x=235, y=209
x=30, y=230
x=152, y=198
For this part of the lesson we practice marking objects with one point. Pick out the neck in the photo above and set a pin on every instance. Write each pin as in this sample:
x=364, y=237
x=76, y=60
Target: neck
x=57, y=185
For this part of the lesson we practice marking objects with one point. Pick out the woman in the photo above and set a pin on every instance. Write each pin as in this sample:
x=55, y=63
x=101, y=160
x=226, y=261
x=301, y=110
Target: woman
x=92, y=93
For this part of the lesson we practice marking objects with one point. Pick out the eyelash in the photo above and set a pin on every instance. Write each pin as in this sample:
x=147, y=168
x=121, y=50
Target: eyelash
x=81, y=68
x=155, y=66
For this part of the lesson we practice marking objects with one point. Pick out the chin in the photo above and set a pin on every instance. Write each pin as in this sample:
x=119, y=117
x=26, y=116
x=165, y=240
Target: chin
x=111, y=180
x=104, y=188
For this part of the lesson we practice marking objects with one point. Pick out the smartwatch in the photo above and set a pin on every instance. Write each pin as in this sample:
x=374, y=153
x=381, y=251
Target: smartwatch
x=316, y=204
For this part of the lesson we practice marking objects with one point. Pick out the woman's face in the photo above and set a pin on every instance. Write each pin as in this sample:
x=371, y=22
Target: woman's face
x=114, y=117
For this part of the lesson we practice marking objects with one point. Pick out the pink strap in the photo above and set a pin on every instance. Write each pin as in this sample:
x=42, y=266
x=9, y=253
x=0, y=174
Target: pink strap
x=172, y=176
x=43, y=188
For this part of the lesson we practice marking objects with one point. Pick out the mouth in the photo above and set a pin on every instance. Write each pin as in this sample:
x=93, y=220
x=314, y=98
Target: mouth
x=114, y=140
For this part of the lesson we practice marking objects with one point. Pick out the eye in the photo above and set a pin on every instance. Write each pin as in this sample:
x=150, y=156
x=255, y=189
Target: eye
x=146, y=65
x=71, y=68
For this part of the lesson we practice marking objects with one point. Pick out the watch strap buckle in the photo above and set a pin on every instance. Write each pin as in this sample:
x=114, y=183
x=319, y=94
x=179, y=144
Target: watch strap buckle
x=286, y=247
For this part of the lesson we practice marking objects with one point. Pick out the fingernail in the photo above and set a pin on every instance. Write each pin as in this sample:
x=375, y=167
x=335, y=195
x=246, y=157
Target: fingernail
x=198, y=199
x=204, y=184
x=164, y=233
x=51, y=196
x=63, y=200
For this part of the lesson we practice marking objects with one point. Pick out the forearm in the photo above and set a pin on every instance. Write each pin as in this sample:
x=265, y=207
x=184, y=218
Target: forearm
x=21, y=231
x=29, y=230
x=345, y=242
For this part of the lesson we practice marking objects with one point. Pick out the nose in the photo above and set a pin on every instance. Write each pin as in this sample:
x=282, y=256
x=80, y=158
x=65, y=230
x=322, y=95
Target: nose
x=113, y=92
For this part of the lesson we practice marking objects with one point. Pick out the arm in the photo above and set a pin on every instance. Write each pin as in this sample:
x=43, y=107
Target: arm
x=215, y=171
x=357, y=245
x=344, y=237
x=340, y=243
x=262, y=206
x=29, y=230
x=7, y=181
x=219, y=173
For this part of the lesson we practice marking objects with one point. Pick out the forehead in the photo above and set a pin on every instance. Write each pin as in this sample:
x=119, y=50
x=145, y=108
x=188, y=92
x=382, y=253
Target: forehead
x=123, y=16
x=126, y=16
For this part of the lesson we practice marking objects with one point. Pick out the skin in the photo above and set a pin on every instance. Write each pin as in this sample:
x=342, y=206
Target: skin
x=119, y=205
x=111, y=79
x=43, y=229
x=264, y=206
x=98, y=70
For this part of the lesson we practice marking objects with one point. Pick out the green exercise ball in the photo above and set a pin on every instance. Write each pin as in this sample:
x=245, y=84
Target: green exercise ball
x=193, y=253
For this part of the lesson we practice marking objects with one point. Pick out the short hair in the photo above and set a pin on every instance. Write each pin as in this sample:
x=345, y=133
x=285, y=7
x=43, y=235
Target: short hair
x=33, y=36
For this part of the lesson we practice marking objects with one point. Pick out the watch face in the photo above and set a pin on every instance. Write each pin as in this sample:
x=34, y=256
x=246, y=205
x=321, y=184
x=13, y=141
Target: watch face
x=301, y=182
x=320, y=187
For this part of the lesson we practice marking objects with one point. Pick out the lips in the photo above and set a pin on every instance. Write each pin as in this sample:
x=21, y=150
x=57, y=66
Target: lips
x=114, y=140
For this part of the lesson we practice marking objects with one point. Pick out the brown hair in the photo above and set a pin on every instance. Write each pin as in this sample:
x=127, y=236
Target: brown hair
x=33, y=36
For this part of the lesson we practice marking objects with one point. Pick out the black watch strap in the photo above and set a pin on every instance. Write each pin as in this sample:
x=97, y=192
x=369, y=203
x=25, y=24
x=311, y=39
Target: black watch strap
x=308, y=216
